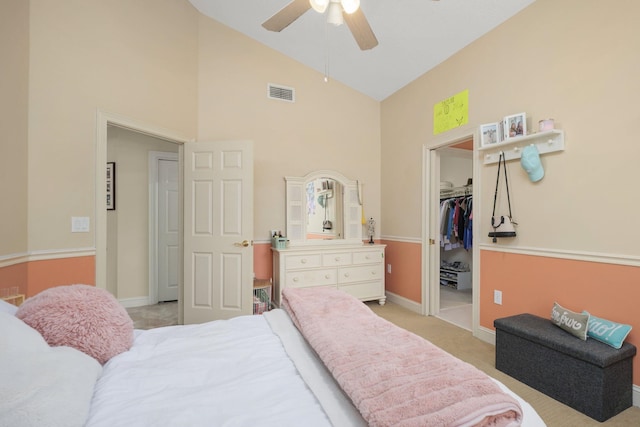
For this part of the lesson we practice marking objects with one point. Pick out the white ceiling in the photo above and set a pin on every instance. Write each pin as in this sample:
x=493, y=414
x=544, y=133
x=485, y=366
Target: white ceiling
x=414, y=36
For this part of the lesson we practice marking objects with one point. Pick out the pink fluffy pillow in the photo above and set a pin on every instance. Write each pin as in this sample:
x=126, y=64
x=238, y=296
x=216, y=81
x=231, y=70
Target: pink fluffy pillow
x=80, y=316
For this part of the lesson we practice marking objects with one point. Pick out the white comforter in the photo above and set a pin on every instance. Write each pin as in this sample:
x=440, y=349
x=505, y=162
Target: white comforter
x=247, y=371
x=225, y=373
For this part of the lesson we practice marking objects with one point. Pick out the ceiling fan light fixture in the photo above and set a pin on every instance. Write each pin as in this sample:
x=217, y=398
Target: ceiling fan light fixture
x=335, y=14
x=319, y=5
x=350, y=6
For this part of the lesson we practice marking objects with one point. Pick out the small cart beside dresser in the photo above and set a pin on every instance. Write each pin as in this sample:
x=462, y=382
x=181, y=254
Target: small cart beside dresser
x=261, y=295
x=355, y=269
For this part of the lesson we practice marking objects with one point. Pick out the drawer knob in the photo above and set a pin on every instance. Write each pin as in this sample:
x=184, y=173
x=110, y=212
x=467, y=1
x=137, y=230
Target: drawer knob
x=303, y=260
x=337, y=258
x=295, y=279
x=327, y=276
x=346, y=274
x=373, y=273
x=367, y=257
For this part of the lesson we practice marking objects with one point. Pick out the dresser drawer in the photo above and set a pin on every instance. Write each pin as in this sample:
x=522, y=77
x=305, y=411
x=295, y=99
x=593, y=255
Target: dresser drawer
x=365, y=291
x=368, y=257
x=360, y=274
x=302, y=279
x=303, y=261
x=337, y=259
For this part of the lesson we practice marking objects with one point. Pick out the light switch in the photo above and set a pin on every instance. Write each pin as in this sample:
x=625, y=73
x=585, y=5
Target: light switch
x=79, y=224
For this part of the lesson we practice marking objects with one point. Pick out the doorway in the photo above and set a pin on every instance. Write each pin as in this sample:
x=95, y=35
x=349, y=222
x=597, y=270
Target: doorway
x=455, y=237
x=134, y=291
x=449, y=278
x=142, y=259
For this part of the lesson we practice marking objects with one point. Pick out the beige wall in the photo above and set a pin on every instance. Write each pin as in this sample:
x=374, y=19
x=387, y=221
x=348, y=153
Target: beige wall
x=161, y=62
x=14, y=89
x=328, y=127
x=137, y=59
x=576, y=61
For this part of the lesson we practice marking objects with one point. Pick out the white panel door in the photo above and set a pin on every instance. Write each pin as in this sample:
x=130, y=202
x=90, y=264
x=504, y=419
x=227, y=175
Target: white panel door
x=168, y=237
x=218, y=228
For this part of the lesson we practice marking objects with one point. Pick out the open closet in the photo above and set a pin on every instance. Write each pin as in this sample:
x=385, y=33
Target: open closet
x=455, y=235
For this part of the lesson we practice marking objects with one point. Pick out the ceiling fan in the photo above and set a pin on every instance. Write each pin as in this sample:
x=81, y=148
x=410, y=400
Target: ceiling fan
x=338, y=11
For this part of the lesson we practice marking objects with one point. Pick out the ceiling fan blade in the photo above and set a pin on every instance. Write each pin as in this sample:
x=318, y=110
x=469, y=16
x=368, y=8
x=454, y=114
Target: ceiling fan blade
x=360, y=29
x=287, y=15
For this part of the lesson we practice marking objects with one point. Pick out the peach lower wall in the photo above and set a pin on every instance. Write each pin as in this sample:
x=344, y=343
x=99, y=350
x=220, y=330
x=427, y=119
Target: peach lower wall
x=405, y=279
x=64, y=271
x=14, y=275
x=35, y=276
x=262, y=260
x=531, y=284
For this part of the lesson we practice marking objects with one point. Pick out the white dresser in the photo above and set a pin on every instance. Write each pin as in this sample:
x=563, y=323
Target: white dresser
x=355, y=269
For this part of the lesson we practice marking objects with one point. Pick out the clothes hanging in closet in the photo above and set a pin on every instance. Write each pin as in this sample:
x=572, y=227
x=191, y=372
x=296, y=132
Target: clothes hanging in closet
x=456, y=219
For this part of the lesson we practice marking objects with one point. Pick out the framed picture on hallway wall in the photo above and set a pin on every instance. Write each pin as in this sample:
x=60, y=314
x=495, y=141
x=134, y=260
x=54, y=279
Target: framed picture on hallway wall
x=111, y=186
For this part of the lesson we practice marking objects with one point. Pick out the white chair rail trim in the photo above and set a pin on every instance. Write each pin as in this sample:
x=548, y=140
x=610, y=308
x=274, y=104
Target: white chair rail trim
x=18, y=258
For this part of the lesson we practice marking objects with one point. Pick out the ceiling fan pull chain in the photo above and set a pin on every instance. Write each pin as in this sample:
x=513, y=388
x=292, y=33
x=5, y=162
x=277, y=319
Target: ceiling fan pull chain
x=326, y=52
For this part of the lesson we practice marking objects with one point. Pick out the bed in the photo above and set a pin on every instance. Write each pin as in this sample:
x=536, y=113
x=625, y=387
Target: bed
x=246, y=371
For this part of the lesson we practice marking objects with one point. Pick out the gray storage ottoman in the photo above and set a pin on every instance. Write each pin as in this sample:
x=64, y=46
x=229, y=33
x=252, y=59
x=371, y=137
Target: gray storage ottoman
x=589, y=376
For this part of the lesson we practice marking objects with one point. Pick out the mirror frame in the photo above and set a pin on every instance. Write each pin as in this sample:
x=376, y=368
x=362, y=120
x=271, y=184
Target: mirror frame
x=296, y=208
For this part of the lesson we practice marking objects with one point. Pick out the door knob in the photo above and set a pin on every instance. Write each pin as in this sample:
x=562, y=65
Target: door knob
x=244, y=243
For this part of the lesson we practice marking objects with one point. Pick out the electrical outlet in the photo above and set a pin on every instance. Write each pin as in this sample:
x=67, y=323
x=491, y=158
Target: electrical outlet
x=389, y=268
x=497, y=297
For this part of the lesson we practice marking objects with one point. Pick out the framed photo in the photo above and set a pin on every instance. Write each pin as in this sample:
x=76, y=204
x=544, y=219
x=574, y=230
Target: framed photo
x=490, y=134
x=111, y=186
x=515, y=125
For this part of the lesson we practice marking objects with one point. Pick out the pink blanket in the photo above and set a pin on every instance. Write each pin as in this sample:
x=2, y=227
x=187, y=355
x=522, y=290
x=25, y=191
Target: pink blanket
x=392, y=376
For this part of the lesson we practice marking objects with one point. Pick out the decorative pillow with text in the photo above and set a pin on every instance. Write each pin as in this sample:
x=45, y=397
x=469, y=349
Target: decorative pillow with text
x=606, y=331
x=572, y=322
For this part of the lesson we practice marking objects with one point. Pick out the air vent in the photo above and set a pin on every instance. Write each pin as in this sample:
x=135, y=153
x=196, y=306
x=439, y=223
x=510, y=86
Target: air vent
x=281, y=93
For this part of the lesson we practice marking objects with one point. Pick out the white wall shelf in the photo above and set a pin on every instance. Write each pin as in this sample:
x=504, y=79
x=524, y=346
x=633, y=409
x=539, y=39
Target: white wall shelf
x=547, y=142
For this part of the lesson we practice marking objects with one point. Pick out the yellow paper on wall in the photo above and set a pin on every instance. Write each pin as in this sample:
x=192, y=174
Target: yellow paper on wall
x=451, y=112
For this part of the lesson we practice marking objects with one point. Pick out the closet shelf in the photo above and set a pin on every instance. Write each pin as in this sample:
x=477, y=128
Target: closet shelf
x=547, y=142
x=455, y=192
x=455, y=279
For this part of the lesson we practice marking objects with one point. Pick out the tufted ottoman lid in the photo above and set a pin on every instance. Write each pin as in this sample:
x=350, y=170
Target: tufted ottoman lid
x=543, y=332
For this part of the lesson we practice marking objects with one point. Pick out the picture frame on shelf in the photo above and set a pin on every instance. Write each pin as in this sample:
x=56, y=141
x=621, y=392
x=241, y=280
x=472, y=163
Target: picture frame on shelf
x=490, y=134
x=111, y=186
x=515, y=125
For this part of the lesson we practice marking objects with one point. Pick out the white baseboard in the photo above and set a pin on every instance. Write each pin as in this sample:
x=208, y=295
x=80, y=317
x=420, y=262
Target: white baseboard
x=486, y=335
x=134, y=302
x=404, y=302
